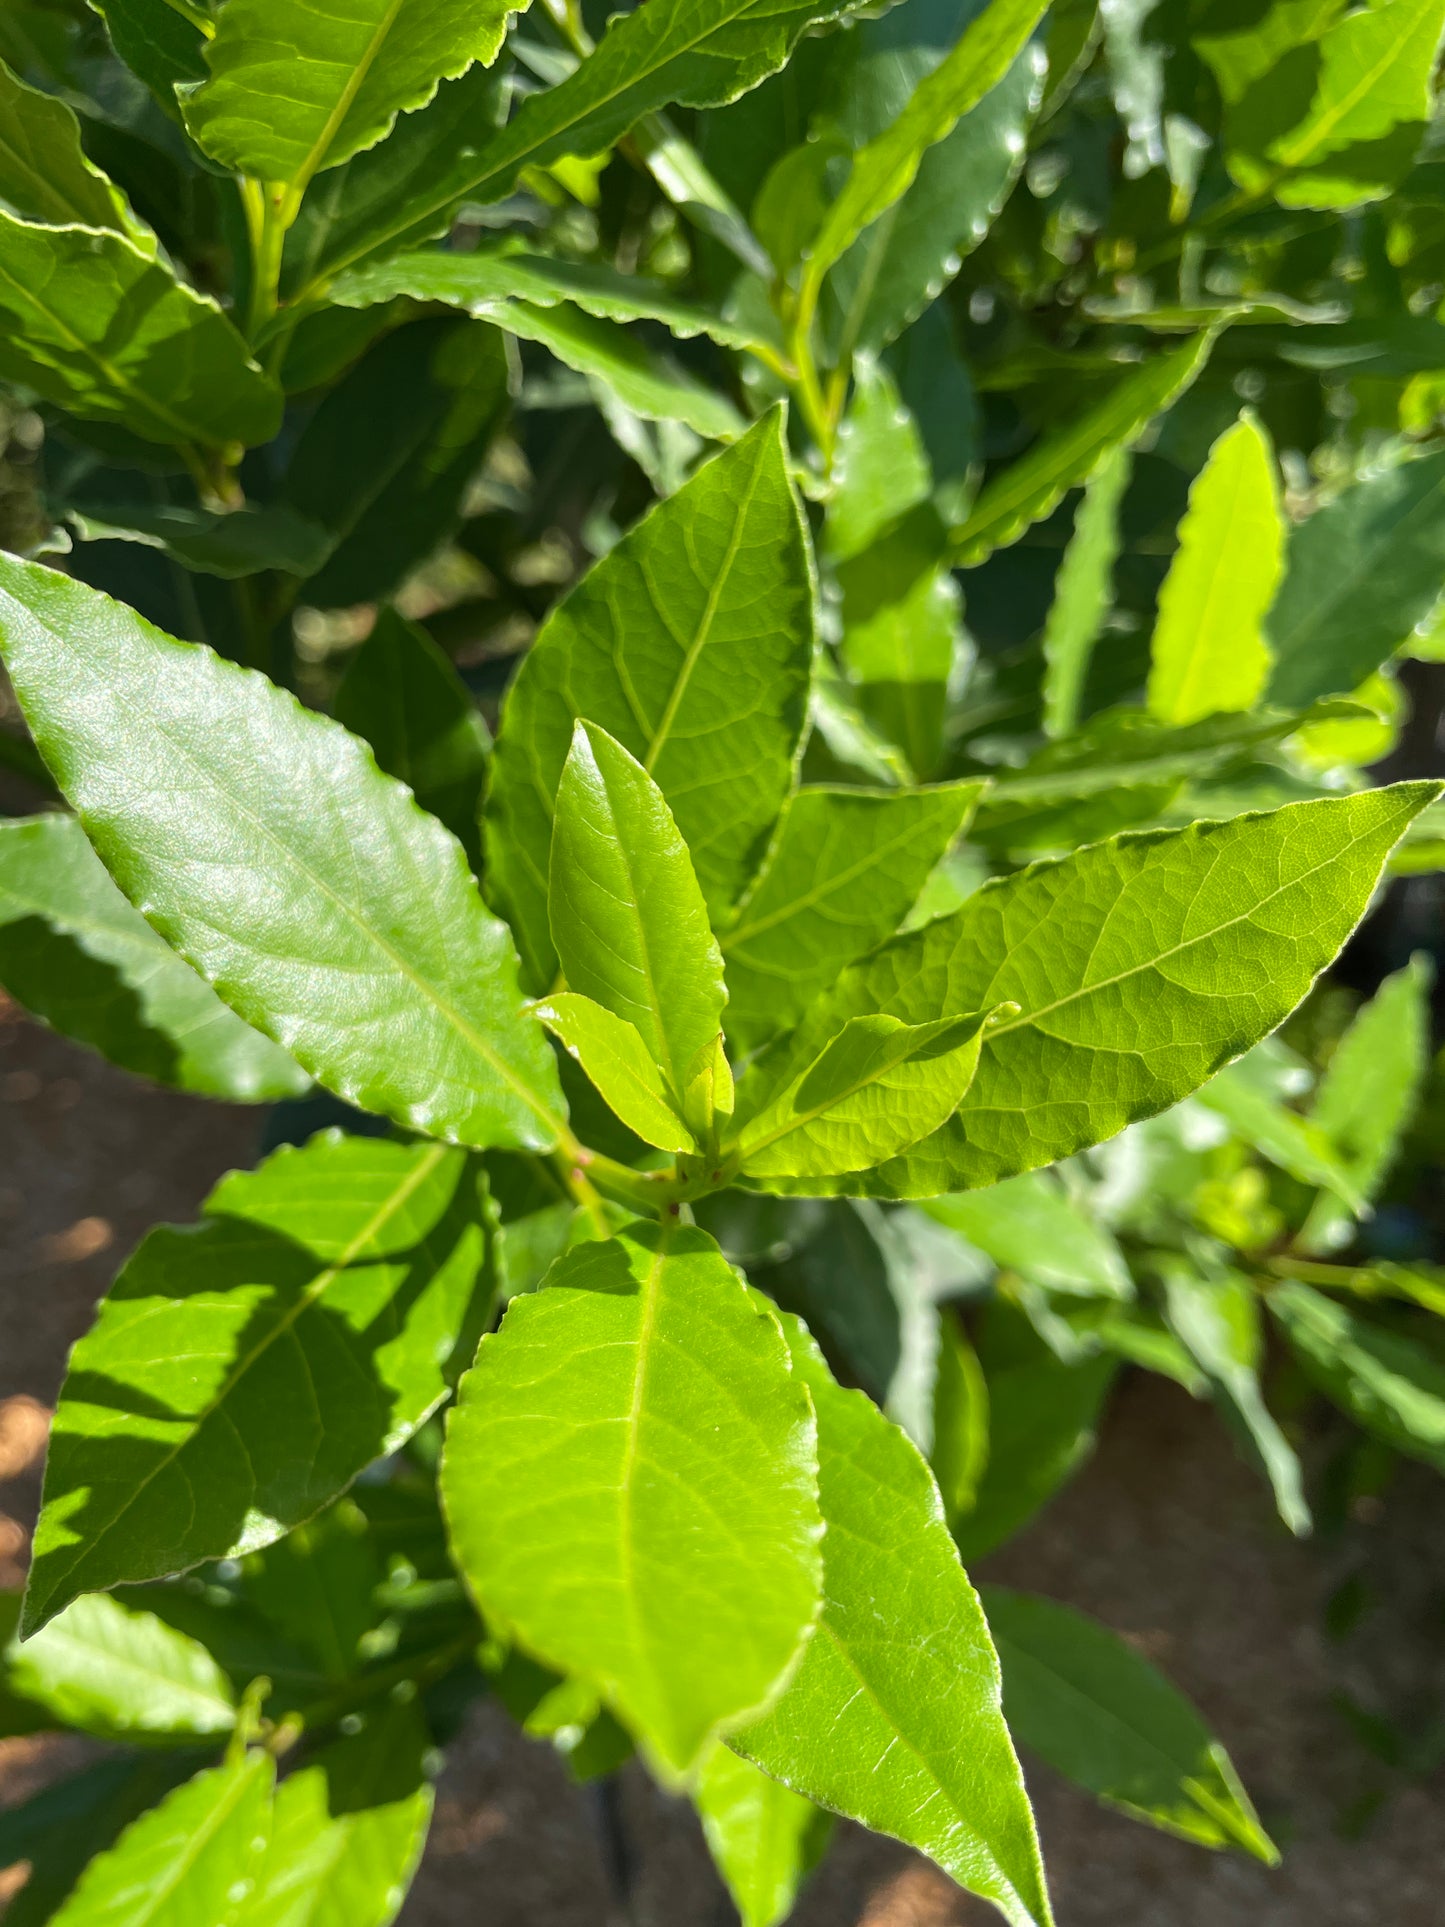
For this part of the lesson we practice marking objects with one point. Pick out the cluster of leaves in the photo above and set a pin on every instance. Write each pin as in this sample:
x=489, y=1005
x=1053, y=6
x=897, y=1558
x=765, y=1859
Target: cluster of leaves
x=722, y=1018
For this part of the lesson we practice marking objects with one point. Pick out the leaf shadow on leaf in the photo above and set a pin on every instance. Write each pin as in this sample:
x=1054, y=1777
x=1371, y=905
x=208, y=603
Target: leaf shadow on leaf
x=45, y=969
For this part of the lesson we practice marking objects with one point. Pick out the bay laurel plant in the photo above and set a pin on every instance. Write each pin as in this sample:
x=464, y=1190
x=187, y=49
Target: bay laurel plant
x=698, y=1039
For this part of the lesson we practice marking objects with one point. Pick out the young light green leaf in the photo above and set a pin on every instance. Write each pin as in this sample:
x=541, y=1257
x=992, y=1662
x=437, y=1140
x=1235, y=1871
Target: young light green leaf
x=241, y=1373
x=44, y=173
x=640, y=1414
x=1383, y=1379
x=1209, y=652
x=157, y=40
x=121, y=1674
x=880, y=467
x=628, y=918
x=690, y=643
x=1031, y=487
x=1117, y=955
x=611, y=1051
x=1101, y=1715
x=843, y=870
x=1375, y=72
x=195, y=1857
x=262, y=842
x=1030, y=1225
x=401, y=694
x=1217, y=1320
x=764, y=1839
x=304, y=85
x=892, y=1717
x=878, y=1087
x=92, y=322
x=74, y=952
x=1082, y=590
x=1361, y=573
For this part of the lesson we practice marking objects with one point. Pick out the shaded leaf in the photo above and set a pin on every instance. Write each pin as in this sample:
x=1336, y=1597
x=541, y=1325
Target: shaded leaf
x=1384, y=1380
x=1082, y=592
x=159, y=42
x=880, y=466
x=44, y=174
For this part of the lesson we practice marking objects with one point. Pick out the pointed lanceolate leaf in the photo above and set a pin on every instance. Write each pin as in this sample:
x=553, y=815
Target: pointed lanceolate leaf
x=121, y=1674
x=77, y=955
x=1100, y=1714
x=1141, y=966
x=1030, y=1225
x=1082, y=591
x=691, y=643
x=300, y=85
x=893, y=1715
x=611, y=1051
x=263, y=843
x=844, y=869
x=764, y=1838
x=630, y=1484
x=1209, y=652
x=160, y=42
x=243, y=1371
x=1382, y=1378
x=195, y=1857
x=44, y=174
x=104, y=328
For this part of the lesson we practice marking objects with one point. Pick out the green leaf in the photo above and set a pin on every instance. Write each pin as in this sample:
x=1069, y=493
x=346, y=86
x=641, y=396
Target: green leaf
x=401, y=694
x=892, y=1717
x=1082, y=592
x=878, y=1087
x=317, y=1585
x=1384, y=1380
x=959, y=1453
x=265, y=846
x=384, y=463
x=628, y=918
x=234, y=543
x=1361, y=573
x=1030, y=488
x=94, y=323
x=74, y=952
x=491, y=280
x=1217, y=1319
x=44, y=174
x=667, y=52
x=611, y=1051
x=764, y=1839
x=295, y=88
x=193, y=1858
x=690, y=643
x=1141, y=966
x=1209, y=652
x=158, y=41
x=880, y=467
x=241, y=1373
x=121, y=1674
x=844, y=868
x=1100, y=1714
x=629, y=1479
x=1243, y=1095
x=1030, y=1225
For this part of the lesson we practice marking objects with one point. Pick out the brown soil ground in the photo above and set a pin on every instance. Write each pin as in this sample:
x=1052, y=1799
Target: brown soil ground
x=1166, y=1536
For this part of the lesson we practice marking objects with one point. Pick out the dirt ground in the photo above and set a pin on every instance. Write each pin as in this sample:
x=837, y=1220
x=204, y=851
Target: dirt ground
x=1166, y=1536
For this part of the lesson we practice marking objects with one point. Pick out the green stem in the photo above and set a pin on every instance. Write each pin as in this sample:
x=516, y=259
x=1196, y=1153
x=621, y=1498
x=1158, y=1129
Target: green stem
x=271, y=207
x=414, y=1671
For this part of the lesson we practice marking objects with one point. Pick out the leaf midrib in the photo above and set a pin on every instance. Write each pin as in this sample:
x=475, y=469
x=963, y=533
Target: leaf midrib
x=121, y=1663
x=1315, y=135
x=301, y=179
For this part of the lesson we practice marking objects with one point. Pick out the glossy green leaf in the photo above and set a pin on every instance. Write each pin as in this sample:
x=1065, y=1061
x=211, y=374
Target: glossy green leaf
x=1209, y=652
x=74, y=952
x=324, y=906
x=691, y=643
x=1141, y=967
x=241, y=1373
x=298, y=87
x=402, y=695
x=1030, y=488
x=1360, y=574
x=628, y=918
x=193, y=1858
x=1217, y=1320
x=1084, y=1700
x=624, y=1070
x=384, y=463
x=629, y=1480
x=843, y=870
x=103, y=328
x=121, y=1674
x=44, y=174
x=880, y=465
x=1082, y=591
x=1383, y=1379
x=158, y=41
x=764, y=1838
x=1029, y=1224
x=878, y=1087
x=893, y=1717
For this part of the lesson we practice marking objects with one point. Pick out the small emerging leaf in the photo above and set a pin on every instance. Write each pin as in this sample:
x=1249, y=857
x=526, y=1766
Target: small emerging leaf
x=611, y=1051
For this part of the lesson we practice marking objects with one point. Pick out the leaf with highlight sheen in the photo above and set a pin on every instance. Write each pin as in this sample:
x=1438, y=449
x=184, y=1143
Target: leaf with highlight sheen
x=44, y=173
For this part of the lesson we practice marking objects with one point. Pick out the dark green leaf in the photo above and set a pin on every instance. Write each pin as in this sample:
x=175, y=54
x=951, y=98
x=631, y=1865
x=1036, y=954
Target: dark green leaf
x=1383, y=1379
x=44, y=174
x=158, y=41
